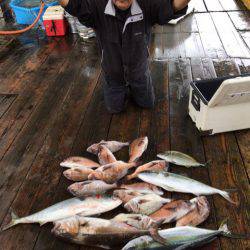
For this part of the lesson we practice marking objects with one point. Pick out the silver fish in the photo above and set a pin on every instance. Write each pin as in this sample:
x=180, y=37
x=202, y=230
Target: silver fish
x=77, y=161
x=87, y=188
x=86, y=207
x=179, y=238
x=145, y=204
x=99, y=232
x=180, y=159
x=178, y=183
x=113, y=146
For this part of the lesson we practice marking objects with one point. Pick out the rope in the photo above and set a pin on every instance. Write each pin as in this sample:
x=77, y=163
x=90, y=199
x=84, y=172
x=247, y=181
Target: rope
x=17, y=32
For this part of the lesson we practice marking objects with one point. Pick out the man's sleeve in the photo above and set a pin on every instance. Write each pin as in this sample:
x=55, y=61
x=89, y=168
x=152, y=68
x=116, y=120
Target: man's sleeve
x=81, y=9
x=162, y=11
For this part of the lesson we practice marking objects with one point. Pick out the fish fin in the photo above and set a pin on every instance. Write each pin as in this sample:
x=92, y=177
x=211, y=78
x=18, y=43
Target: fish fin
x=42, y=223
x=226, y=195
x=160, y=222
x=155, y=235
x=231, y=190
x=13, y=222
x=130, y=177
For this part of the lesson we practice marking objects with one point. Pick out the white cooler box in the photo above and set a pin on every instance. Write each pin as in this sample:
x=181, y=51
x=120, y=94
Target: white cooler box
x=221, y=104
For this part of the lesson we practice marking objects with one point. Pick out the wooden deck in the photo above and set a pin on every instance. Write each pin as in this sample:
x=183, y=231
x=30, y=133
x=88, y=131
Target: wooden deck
x=51, y=107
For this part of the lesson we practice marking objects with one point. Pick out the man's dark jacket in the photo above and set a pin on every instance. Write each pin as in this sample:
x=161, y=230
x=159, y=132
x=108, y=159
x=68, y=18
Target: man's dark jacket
x=124, y=48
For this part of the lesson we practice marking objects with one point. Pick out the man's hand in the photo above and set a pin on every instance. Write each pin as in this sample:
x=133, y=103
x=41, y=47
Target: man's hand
x=180, y=4
x=64, y=3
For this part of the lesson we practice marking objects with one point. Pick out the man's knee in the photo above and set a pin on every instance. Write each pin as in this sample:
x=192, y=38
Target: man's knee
x=115, y=97
x=143, y=92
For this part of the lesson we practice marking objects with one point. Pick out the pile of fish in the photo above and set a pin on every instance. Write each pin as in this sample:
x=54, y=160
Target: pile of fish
x=104, y=185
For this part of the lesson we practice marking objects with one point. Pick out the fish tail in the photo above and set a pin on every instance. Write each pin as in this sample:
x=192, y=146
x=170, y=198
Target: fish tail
x=226, y=195
x=226, y=232
x=224, y=228
x=14, y=221
x=208, y=163
x=155, y=235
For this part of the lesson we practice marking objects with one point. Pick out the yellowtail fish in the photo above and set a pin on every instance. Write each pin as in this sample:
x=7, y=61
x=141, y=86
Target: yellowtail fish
x=178, y=183
x=77, y=161
x=143, y=187
x=86, y=207
x=113, y=146
x=180, y=238
x=180, y=159
x=137, y=148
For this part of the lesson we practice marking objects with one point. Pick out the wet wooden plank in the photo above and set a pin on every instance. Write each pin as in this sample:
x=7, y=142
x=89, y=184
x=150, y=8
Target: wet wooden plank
x=231, y=5
x=213, y=5
x=173, y=45
x=184, y=135
x=227, y=165
x=240, y=19
x=156, y=49
x=189, y=24
x=17, y=81
x=246, y=37
x=231, y=40
x=243, y=137
x=211, y=42
x=193, y=45
x=35, y=85
x=5, y=103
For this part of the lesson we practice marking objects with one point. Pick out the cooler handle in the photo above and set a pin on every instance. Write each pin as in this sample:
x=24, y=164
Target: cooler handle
x=195, y=100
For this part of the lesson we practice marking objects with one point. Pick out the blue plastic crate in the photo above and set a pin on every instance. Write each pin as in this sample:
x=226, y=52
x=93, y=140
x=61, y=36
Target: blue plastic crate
x=27, y=15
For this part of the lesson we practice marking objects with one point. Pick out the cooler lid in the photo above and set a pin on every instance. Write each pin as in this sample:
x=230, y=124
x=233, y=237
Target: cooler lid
x=232, y=91
x=54, y=13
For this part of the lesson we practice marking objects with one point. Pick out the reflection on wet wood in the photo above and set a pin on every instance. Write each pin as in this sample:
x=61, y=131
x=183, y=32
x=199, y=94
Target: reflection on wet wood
x=240, y=19
x=231, y=40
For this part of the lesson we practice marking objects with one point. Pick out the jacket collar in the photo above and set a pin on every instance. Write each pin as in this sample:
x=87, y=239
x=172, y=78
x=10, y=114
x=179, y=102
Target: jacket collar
x=110, y=8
